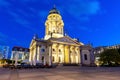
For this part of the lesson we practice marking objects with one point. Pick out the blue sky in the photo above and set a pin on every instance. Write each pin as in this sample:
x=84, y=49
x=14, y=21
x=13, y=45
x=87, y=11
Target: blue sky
x=95, y=21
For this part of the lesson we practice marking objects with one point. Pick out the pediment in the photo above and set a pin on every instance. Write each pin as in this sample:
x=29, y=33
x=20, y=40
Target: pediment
x=66, y=39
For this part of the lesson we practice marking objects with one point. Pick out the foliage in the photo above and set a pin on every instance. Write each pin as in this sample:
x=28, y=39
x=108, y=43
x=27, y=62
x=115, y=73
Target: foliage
x=119, y=50
x=2, y=61
x=110, y=57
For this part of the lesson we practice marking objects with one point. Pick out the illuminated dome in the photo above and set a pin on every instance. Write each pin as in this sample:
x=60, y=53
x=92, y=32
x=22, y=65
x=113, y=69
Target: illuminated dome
x=54, y=11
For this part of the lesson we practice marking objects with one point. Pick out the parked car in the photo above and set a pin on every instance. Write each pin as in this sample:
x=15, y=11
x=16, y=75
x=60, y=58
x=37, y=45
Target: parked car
x=25, y=65
x=54, y=65
x=39, y=65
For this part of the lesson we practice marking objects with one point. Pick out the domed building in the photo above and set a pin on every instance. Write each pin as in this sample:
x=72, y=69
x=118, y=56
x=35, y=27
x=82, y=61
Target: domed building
x=55, y=47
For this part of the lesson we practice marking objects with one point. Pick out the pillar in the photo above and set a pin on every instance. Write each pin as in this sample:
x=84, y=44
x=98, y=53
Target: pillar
x=62, y=51
x=34, y=56
x=50, y=55
x=38, y=54
x=77, y=50
x=57, y=53
x=67, y=56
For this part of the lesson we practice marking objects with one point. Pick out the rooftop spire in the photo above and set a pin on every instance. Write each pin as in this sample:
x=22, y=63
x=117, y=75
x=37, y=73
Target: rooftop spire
x=54, y=10
x=35, y=36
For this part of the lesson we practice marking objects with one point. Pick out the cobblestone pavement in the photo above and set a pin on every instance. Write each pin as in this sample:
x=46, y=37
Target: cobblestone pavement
x=62, y=73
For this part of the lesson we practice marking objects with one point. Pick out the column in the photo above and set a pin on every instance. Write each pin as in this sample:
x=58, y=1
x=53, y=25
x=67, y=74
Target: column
x=50, y=55
x=38, y=53
x=34, y=54
x=74, y=55
x=71, y=55
x=30, y=56
x=67, y=54
x=57, y=53
x=77, y=55
x=62, y=51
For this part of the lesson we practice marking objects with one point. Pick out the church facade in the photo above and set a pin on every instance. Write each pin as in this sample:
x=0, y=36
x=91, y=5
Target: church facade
x=55, y=47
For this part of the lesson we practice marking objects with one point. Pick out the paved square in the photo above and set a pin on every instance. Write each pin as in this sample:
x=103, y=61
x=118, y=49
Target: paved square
x=62, y=73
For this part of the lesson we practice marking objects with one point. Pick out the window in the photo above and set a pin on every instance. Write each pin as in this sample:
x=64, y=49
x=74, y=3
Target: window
x=53, y=59
x=59, y=59
x=14, y=55
x=85, y=56
x=59, y=50
x=26, y=50
x=48, y=32
x=43, y=50
x=42, y=58
x=20, y=56
x=53, y=31
x=53, y=49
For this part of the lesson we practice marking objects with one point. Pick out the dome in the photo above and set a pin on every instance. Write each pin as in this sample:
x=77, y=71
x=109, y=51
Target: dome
x=54, y=11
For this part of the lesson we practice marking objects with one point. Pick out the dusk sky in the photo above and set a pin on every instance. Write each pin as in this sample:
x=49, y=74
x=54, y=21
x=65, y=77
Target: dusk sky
x=95, y=21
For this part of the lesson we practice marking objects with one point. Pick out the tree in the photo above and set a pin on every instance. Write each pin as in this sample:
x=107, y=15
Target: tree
x=110, y=57
x=119, y=50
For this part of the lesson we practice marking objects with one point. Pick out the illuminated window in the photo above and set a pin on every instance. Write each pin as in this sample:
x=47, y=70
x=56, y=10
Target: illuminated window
x=20, y=56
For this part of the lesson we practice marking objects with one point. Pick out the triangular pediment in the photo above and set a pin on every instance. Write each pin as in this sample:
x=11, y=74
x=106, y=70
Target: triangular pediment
x=66, y=39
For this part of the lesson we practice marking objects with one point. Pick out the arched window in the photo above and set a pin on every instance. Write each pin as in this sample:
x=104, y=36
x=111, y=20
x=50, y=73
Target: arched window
x=53, y=49
x=53, y=31
x=53, y=59
x=59, y=59
x=59, y=50
x=48, y=32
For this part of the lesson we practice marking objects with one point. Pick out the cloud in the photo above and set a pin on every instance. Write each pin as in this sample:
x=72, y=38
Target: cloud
x=25, y=23
x=6, y=40
x=2, y=35
x=29, y=0
x=93, y=7
x=4, y=3
x=85, y=28
x=81, y=8
x=22, y=20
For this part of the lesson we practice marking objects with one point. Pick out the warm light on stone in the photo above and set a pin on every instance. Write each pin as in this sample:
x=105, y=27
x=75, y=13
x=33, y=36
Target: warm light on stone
x=55, y=47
